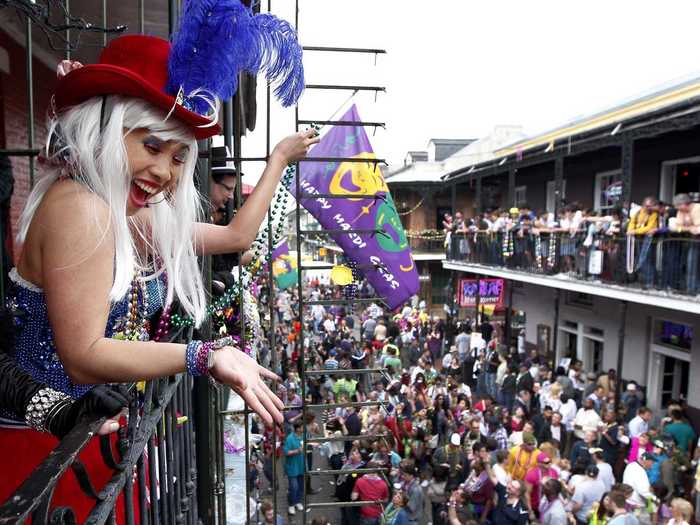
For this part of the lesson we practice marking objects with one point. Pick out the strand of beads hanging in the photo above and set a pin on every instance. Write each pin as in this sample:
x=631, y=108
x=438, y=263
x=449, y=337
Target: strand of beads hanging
x=281, y=199
x=134, y=324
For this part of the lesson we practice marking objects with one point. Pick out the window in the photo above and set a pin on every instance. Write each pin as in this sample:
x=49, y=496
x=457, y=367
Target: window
x=595, y=355
x=675, y=335
x=520, y=196
x=608, y=190
x=551, y=198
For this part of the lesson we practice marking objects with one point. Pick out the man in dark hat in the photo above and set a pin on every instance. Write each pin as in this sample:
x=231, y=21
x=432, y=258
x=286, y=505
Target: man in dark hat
x=224, y=179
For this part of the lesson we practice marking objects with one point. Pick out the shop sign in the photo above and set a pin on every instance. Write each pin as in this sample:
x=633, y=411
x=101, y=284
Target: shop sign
x=491, y=292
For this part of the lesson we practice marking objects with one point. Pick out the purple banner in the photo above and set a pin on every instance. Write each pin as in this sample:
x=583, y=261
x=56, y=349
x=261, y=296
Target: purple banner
x=396, y=278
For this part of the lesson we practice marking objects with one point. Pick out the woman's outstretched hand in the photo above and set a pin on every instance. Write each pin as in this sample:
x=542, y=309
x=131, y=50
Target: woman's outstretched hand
x=242, y=373
x=296, y=147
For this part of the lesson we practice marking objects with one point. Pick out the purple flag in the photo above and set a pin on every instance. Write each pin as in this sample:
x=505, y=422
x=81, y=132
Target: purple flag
x=396, y=278
x=284, y=267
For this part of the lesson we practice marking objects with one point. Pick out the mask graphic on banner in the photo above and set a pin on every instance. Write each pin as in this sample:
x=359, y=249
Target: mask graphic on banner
x=394, y=278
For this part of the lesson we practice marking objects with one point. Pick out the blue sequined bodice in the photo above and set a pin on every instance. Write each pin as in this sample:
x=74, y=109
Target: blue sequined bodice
x=35, y=350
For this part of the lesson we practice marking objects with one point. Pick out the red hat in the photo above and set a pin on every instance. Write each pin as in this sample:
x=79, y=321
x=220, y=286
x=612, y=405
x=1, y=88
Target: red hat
x=136, y=66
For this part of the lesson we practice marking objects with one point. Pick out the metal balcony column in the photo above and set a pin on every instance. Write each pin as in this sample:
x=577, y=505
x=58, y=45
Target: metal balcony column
x=558, y=183
x=477, y=302
x=453, y=198
x=477, y=195
x=621, y=349
x=511, y=187
x=627, y=167
x=555, y=334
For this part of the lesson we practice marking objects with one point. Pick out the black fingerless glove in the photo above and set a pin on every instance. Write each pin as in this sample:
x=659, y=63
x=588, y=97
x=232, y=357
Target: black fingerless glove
x=101, y=401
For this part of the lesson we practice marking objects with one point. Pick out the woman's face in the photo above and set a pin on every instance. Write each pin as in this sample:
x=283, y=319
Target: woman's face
x=155, y=166
x=397, y=500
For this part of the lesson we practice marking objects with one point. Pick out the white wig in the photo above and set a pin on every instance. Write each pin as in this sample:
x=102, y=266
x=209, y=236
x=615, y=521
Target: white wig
x=98, y=159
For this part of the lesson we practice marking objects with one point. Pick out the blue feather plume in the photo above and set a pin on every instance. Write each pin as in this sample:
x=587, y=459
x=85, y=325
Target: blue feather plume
x=217, y=39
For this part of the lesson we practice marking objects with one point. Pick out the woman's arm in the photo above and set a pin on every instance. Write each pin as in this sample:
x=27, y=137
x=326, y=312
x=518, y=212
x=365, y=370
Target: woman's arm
x=240, y=233
x=76, y=252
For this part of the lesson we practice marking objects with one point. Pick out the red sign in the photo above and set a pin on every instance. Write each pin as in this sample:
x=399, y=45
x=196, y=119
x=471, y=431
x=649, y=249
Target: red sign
x=491, y=291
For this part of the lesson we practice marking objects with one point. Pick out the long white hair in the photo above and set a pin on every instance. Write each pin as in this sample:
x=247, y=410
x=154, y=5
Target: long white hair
x=98, y=159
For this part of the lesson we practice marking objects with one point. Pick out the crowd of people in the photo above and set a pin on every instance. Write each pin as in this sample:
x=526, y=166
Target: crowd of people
x=655, y=245
x=464, y=428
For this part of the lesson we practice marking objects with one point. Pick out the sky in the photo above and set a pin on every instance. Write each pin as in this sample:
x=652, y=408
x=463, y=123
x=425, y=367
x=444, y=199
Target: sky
x=457, y=68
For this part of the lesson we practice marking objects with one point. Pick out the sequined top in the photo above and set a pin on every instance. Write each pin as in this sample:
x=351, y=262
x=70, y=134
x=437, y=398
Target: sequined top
x=35, y=350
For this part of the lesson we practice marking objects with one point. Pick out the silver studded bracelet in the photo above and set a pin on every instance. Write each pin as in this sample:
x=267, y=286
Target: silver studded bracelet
x=43, y=406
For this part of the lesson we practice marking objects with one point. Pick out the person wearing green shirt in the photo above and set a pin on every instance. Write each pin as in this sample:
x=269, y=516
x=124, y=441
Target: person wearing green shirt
x=682, y=433
x=391, y=359
x=294, y=467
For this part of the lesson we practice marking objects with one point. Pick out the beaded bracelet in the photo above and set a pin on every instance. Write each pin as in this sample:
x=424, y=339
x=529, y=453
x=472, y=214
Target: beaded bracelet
x=197, y=358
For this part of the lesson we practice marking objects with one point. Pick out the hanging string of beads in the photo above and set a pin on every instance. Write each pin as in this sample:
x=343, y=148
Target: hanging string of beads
x=220, y=307
x=134, y=325
x=507, y=246
x=538, y=252
x=552, y=252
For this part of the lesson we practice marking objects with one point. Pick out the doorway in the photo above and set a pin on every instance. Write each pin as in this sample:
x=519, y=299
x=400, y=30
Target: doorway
x=674, y=380
x=669, y=370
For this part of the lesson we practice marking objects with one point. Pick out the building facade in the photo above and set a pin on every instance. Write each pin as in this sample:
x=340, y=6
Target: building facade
x=619, y=302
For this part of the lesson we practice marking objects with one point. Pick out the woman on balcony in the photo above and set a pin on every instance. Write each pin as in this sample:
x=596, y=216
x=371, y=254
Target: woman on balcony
x=110, y=233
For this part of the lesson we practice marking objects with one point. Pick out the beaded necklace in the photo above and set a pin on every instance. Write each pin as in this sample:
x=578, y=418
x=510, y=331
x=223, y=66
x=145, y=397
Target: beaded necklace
x=507, y=244
x=220, y=307
x=552, y=251
x=134, y=325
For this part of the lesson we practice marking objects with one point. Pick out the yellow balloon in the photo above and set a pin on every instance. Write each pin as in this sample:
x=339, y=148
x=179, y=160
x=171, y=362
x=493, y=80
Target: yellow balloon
x=341, y=275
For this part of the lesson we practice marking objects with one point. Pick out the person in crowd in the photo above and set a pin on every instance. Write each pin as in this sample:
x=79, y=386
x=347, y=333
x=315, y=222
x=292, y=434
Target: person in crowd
x=643, y=225
x=267, y=514
x=605, y=471
x=687, y=221
x=523, y=457
x=681, y=431
x=681, y=512
x=371, y=487
x=580, y=450
x=616, y=505
x=639, y=424
x=535, y=480
x=551, y=509
x=636, y=476
x=452, y=457
x=294, y=467
x=511, y=509
x=395, y=513
x=411, y=487
x=587, y=493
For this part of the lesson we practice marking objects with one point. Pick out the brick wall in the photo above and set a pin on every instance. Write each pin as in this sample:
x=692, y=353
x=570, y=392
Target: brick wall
x=14, y=107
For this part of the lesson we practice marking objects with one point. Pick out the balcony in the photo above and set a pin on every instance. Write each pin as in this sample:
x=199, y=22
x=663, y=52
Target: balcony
x=428, y=247
x=661, y=270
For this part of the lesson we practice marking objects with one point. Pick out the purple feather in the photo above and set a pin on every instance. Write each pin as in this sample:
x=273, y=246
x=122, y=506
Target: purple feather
x=218, y=39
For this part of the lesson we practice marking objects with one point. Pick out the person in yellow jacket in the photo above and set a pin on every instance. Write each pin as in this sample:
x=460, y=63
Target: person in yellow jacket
x=523, y=457
x=646, y=220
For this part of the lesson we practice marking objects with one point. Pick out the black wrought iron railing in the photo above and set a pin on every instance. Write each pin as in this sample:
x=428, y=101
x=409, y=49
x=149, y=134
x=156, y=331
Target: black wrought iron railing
x=152, y=464
x=427, y=244
x=665, y=262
